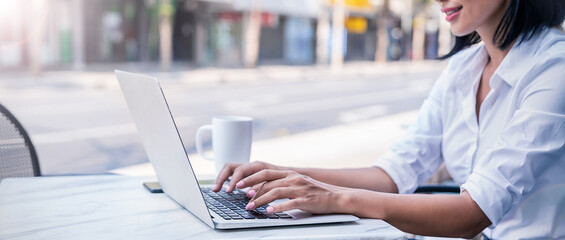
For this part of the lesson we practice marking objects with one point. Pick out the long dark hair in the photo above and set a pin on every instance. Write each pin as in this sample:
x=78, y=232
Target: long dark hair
x=527, y=17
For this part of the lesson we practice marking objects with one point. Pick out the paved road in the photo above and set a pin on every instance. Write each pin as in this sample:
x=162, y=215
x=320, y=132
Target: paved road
x=80, y=123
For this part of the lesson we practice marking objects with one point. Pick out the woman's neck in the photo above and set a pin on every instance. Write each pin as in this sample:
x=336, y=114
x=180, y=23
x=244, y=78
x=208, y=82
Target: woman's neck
x=496, y=55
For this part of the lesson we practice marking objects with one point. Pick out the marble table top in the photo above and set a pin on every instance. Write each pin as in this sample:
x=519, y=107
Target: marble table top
x=119, y=207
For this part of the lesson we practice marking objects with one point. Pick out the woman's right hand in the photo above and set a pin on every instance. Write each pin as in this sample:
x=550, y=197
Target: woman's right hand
x=238, y=171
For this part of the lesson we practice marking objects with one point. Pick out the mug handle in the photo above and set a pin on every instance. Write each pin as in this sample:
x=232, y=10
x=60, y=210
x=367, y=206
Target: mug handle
x=199, y=141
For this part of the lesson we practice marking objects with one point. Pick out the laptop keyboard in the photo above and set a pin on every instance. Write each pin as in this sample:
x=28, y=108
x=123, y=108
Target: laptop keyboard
x=231, y=206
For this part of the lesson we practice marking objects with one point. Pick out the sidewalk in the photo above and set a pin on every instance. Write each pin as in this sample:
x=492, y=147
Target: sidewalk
x=101, y=76
x=350, y=145
x=344, y=146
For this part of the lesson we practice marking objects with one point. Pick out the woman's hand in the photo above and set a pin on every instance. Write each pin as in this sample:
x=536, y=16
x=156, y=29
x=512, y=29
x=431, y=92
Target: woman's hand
x=237, y=171
x=304, y=192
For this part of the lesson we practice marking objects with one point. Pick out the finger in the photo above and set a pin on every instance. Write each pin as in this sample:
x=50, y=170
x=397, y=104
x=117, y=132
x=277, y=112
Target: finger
x=277, y=193
x=262, y=176
x=285, y=206
x=241, y=172
x=288, y=181
x=224, y=174
x=238, y=174
x=268, y=186
x=253, y=190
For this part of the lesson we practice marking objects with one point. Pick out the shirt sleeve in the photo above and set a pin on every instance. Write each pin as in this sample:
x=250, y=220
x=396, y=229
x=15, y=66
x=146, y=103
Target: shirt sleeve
x=531, y=143
x=417, y=155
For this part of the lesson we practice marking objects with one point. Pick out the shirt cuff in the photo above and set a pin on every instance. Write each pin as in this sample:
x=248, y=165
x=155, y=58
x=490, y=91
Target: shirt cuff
x=493, y=200
x=404, y=178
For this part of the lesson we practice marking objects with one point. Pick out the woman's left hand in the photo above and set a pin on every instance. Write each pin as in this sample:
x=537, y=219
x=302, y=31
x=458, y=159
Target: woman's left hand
x=303, y=192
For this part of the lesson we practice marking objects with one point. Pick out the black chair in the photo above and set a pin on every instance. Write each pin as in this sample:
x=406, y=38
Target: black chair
x=440, y=182
x=439, y=188
x=17, y=154
x=442, y=188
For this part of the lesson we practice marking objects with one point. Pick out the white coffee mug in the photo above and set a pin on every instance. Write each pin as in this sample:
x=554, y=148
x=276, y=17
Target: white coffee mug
x=231, y=140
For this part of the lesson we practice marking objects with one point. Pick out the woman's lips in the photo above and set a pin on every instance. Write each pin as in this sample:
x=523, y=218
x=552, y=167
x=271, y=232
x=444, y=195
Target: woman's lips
x=451, y=13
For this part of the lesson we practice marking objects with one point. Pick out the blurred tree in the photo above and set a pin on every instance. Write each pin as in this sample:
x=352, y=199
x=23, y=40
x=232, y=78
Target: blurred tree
x=39, y=10
x=322, y=35
x=382, y=33
x=253, y=35
x=421, y=8
x=166, y=13
x=338, y=32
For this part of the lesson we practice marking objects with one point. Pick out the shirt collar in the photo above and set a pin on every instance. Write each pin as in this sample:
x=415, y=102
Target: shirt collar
x=517, y=63
x=468, y=73
x=520, y=59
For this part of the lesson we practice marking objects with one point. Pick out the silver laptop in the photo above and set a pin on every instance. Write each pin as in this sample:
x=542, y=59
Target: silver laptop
x=163, y=144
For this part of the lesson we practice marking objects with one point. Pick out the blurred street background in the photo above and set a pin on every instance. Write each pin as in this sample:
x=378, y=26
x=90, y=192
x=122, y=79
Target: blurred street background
x=80, y=123
x=319, y=73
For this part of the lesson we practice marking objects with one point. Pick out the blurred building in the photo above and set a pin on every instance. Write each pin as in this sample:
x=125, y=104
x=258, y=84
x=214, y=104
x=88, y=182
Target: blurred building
x=73, y=33
x=287, y=33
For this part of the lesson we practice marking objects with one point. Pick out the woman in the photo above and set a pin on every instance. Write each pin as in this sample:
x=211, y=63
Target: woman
x=496, y=117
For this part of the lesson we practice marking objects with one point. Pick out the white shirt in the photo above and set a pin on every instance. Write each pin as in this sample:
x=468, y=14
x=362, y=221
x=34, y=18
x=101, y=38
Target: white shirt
x=512, y=160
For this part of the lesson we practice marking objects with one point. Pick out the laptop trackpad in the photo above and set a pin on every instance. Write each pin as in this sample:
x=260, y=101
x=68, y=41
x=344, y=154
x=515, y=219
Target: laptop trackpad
x=295, y=213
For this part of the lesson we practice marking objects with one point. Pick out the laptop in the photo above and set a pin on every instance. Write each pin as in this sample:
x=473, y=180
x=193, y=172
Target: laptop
x=164, y=147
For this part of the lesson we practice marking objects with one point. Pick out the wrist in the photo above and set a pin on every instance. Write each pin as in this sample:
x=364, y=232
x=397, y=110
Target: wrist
x=362, y=203
x=345, y=200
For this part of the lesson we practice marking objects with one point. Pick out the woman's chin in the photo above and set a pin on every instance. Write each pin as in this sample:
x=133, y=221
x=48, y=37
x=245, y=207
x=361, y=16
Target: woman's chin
x=459, y=32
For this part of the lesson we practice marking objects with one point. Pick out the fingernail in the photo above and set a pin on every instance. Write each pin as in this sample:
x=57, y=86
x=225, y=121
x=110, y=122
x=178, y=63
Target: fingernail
x=250, y=205
x=270, y=209
x=251, y=193
x=239, y=184
x=216, y=187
